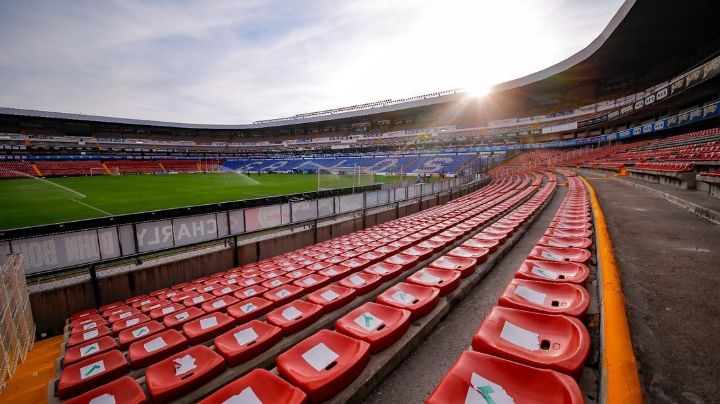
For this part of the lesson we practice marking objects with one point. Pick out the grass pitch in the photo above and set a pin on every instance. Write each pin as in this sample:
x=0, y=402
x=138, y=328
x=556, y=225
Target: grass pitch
x=33, y=201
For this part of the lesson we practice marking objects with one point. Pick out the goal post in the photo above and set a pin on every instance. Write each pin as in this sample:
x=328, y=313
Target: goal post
x=344, y=177
x=97, y=171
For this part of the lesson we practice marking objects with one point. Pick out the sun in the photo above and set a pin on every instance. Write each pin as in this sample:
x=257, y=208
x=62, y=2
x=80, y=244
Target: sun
x=478, y=90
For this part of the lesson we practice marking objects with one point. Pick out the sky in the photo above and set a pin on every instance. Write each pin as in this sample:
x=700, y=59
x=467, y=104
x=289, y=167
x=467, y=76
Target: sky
x=237, y=61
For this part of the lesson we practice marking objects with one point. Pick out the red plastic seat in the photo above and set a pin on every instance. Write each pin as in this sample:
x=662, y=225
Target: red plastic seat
x=88, y=319
x=146, y=309
x=324, y=363
x=480, y=254
x=207, y=327
x=355, y=263
x=480, y=243
x=276, y=282
x=144, y=302
x=294, y=316
x=90, y=373
x=443, y=279
x=312, y=282
x=475, y=377
x=384, y=270
x=556, y=254
x=249, y=309
x=124, y=390
x=258, y=386
x=565, y=242
x=483, y=235
x=545, y=297
x=377, y=324
x=129, y=322
x=89, y=335
x=405, y=260
x=362, y=282
x=163, y=311
x=283, y=294
x=243, y=343
x=298, y=273
x=419, y=300
x=559, y=343
x=417, y=251
x=132, y=334
x=197, y=299
x=335, y=272
x=87, y=325
x=219, y=304
x=83, y=314
x=372, y=256
x=92, y=348
x=332, y=297
x=122, y=314
x=568, y=232
x=435, y=245
x=182, y=373
x=250, y=291
x=466, y=266
x=225, y=290
x=149, y=350
x=180, y=317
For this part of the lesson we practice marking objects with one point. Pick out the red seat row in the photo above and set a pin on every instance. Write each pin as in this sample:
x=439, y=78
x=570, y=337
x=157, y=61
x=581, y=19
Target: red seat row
x=532, y=345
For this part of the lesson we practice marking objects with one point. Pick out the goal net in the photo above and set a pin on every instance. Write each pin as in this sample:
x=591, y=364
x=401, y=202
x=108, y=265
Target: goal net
x=344, y=177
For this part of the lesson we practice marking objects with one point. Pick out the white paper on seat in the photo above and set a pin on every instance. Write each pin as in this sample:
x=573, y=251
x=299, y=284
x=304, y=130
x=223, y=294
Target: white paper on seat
x=402, y=297
x=209, y=322
x=520, y=337
x=132, y=322
x=271, y=274
x=245, y=336
x=184, y=364
x=144, y=302
x=356, y=280
x=380, y=270
x=296, y=273
x=198, y=299
x=92, y=369
x=249, y=292
x=90, y=335
x=545, y=273
x=556, y=244
x=106, y=398
x=171, y=294
x=331, y=272
x=329, y=295
x=167, y=310
x=247, y=396
x=226, y=290
x=125, y=315
x=320, y=356
x=140, y=331
x=248, y=308
x=182, y=316
x=275, y=282
x=208, y=288
x=89, y=326
x=218, y=303
x=89, y=349
x=483, y=391
x=531, y=295
x=282, y=293
x=231, y=281
x=368, y=321
x=309, y=281
x=291, y=313
x=429, y=278
x=154, y=344
x=551, y=256
x=249, y=282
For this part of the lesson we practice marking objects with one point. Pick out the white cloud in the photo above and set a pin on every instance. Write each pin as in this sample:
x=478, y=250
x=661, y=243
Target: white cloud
x=234, y=62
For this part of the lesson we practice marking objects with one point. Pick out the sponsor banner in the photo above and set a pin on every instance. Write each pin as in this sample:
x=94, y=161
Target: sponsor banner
x=350, y=202
x=223, y=225
x=263, y=217
x=305, y=210
x=371, y=198
x=401, y=194
x=109, y=242
x=383, y=196
x=326, y=207
x=58, y=251
x=153, y=236
x=195, y=229
x=237, y=221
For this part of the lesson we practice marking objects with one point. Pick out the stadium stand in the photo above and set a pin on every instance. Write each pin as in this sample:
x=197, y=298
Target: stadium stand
x=362, y=327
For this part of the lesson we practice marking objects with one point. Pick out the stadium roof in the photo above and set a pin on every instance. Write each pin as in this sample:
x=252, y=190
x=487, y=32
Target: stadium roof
x=645, y=43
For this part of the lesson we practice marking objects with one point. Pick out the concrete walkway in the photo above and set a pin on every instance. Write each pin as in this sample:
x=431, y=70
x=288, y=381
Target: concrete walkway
x=669, y=261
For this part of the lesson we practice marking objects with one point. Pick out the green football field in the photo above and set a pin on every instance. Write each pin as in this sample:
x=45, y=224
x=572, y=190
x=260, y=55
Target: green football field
x=35, y=201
